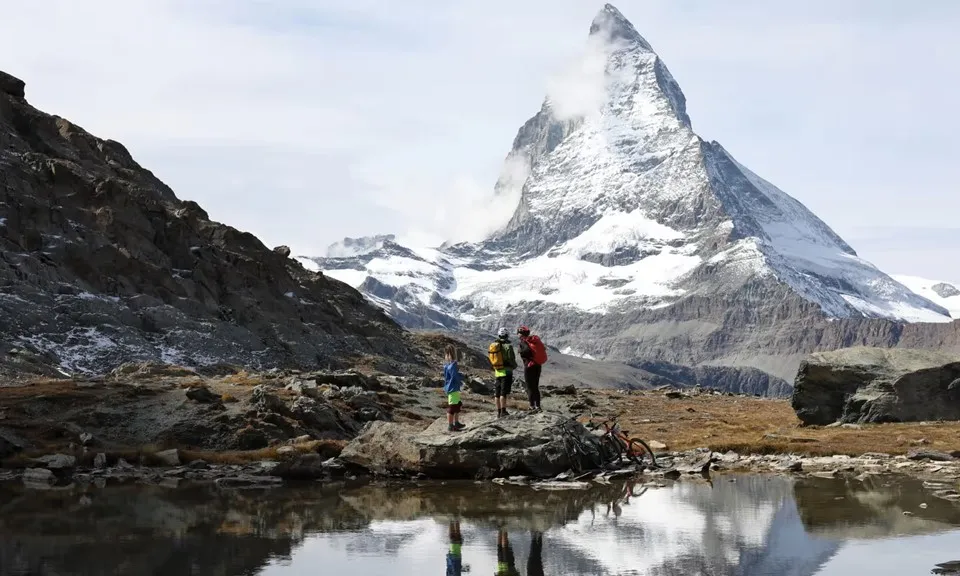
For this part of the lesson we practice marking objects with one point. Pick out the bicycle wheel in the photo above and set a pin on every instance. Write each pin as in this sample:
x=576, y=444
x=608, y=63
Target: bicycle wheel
x=591, y=453
x=640, y=453
x=573, y=454
x=610, y=450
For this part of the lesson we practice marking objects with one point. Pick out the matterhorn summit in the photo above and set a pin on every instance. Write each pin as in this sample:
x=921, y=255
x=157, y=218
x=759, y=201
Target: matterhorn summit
x=635, y=240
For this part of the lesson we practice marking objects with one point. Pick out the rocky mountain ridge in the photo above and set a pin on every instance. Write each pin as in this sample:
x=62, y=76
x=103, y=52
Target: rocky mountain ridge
x=636, y=241
x=101, y=264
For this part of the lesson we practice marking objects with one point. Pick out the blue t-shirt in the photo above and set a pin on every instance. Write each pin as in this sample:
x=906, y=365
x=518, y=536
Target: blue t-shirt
x=451, y=378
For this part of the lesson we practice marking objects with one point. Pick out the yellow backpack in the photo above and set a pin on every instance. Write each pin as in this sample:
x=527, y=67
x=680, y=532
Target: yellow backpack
x=495, y=353
x=502, y=356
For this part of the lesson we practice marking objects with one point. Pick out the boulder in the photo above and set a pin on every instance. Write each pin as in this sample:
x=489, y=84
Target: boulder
x=309, y=467
x=11, y=85
x=57, y=461
x=930, y=455
x=346, y=379
x=529, y=445
x=870, y=385
x=38, y=477
x=265, y=401
x=283, y=251
x=202, y=394
x=656, y=445
x=317, y=415
x=169, y=457
x=10, y=444
x=305, y=388
x=479, y=387
x=385, y=448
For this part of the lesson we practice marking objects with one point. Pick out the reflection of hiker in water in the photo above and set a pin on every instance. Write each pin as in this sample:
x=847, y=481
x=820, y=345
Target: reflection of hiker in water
x=506, y=563
x=454, y=559
x=535, y=561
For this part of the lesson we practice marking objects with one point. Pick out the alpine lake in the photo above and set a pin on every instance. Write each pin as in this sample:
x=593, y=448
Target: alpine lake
x=747, y=525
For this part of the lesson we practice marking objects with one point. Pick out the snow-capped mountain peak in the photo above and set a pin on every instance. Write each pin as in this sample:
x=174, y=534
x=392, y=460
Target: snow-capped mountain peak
x=624, y=213
x=613, y=26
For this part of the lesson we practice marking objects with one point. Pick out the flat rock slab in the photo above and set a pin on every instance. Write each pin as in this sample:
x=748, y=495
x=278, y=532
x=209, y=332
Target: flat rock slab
x=518, y=445
x=521, y=444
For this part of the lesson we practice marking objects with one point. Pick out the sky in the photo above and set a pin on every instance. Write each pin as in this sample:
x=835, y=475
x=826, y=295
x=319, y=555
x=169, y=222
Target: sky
x=307, y=121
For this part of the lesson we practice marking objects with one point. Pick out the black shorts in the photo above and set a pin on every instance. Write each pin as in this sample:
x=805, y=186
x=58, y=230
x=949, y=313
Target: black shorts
x=503, y=385
x=454, y=408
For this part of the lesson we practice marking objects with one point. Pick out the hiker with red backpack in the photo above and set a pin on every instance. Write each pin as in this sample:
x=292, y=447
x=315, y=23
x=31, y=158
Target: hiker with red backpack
x=534, y=356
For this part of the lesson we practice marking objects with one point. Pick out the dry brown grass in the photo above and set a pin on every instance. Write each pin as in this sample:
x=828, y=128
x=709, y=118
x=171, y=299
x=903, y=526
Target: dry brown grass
x=243, y=378
x=36, y=388
x=754, y=425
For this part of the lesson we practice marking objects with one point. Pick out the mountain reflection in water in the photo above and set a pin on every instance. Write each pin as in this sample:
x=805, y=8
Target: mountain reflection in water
x=747, y=525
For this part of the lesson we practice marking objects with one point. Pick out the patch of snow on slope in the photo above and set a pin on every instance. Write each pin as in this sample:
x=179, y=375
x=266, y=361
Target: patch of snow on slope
x=899, y=310
x=617, y=230
x=566, y=280
x=569, y=351
x=308, y=263
x=924, y=288
x=79, y=349
x=809, y=256
x=349, y=277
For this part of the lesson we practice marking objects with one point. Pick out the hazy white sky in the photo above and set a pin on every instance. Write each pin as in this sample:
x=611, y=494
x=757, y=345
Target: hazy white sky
x=305, y=121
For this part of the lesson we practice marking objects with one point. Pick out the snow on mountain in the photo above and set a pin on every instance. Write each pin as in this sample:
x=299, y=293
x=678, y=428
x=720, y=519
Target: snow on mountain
x=622, y=206
x=946, y=294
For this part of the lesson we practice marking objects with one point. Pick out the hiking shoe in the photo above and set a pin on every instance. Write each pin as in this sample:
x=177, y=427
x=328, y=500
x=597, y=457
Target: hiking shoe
x=459, y=426
x=450, y=428
x=505, y=413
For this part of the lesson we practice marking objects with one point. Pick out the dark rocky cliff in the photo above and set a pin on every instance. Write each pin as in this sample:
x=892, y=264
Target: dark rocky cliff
x=101, y=263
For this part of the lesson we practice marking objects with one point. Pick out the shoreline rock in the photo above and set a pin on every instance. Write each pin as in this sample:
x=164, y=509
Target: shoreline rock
x=873, y=385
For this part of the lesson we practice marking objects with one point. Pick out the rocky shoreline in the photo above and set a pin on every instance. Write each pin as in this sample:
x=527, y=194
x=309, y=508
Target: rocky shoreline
x=163, y=425
x=940, y=473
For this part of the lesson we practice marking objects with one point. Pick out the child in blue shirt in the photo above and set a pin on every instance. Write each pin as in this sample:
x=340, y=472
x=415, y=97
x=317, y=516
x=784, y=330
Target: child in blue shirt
x=452, y=381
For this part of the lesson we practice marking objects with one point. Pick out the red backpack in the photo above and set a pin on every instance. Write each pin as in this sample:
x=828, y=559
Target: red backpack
x=538, y=349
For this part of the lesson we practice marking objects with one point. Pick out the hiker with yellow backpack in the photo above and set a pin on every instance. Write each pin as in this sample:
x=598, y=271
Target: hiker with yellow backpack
x=504, y=362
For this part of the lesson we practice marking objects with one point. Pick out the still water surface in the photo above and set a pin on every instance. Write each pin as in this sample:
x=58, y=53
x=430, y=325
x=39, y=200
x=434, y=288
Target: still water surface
x=747, y=526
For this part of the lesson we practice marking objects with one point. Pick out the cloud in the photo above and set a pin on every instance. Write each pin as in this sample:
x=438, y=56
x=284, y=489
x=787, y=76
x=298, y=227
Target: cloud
x=581, y=89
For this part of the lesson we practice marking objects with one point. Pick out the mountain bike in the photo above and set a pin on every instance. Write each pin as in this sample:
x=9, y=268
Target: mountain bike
x=583, y=456
x=616, y=446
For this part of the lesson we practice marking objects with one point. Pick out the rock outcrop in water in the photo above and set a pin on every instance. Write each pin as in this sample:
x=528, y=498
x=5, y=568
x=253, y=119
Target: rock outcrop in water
x=527, y=445
x=859, y=385
x=101, y=263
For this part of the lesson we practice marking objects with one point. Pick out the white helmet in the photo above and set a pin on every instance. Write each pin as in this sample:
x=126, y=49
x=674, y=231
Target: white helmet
x=503, y=333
